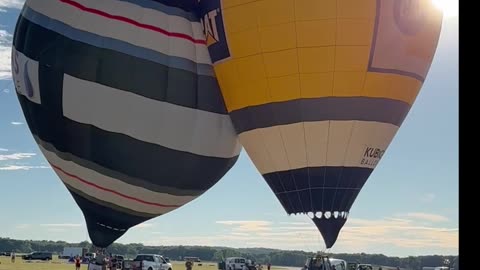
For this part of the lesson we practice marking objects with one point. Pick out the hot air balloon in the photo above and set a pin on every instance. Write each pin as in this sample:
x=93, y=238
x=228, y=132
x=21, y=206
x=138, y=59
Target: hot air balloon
x=317, y=89
x=122, y=100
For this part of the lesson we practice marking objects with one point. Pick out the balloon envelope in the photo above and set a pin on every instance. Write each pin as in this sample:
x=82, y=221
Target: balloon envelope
x=122, y=99
x=317, y=90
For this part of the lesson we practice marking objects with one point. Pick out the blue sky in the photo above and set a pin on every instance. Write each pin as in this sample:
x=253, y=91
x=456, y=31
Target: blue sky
x=409, y=206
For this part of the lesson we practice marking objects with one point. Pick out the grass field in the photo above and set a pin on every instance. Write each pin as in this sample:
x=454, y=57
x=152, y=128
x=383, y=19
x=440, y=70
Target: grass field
x=63, y=265
x=56, y=264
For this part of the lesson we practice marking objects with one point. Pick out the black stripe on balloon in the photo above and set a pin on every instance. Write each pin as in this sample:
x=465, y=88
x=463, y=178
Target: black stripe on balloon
x=115, y=174
x=320, y=109
x=118, y=70
x=152, y=163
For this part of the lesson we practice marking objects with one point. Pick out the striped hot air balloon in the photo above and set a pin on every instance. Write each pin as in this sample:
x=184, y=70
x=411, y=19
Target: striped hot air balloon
x=122, y=100
x=317, y=90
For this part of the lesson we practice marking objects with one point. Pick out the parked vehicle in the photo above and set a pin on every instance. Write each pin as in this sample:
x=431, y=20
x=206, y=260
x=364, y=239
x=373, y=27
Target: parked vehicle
x=147, y=262
x=71, y=252
x=44, y=256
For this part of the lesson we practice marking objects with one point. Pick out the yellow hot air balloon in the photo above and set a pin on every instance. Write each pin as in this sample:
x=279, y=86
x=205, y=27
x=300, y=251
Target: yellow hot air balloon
x=317, y=90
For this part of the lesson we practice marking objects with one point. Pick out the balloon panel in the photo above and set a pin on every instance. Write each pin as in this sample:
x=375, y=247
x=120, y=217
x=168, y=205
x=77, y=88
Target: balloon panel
x=122, y=99
x=318, y=89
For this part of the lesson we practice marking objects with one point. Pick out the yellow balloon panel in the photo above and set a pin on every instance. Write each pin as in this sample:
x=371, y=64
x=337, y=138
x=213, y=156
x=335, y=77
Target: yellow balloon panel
x=279, y=50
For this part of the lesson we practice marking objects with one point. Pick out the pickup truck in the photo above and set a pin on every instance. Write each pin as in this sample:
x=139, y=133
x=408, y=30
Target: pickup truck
x=147, y=262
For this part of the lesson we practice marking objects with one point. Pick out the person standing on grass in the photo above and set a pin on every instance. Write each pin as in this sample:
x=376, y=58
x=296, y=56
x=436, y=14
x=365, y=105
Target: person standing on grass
x=77, y=263
x=13, y=257
x=188, y=265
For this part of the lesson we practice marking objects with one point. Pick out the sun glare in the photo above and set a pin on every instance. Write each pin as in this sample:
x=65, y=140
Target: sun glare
x=449, y=7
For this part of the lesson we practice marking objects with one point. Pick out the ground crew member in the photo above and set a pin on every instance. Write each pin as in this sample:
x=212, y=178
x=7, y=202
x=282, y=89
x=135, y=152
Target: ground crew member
x=189, y=265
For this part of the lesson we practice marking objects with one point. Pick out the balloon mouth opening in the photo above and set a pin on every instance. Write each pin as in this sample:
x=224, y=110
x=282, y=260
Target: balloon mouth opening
x=329, y=223
x=103, y=235
x=328, y=215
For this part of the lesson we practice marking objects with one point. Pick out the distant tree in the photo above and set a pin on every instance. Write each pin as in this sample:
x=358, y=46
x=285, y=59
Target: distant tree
x=294, y=258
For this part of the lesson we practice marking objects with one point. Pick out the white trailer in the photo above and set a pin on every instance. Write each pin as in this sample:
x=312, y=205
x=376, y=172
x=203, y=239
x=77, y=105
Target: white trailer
x=69, y=252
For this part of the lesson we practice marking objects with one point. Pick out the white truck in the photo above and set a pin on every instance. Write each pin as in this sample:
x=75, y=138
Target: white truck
x=69, y=252
x=236, y=263
x=147, y=262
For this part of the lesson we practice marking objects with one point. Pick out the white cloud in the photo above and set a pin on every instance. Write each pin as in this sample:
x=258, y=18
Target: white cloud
x=3, y=150
x=53, y=227
x=426, y=217
x=5, y=54
x=16, y=156
x=295, y=228
x=21, y=167
x=427, y=197
x=57, y=230
x=244, y=222
x=3, y=10
x=247, y=225
x=403, y=233
x=6, y=90
x=62, y=225
x=371, y=239
x=23, y=226
x=6, y=41
x=143, y=225
x=239, y=234
x=16, y=123
x=296, y=223
x=12, y=3
x=449, y=230
x=367, y=235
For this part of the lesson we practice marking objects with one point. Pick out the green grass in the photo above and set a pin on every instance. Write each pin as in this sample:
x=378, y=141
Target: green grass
x=56, y=264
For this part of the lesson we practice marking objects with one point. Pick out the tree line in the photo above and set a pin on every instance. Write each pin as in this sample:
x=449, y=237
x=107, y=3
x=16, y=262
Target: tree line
x=205, y=253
